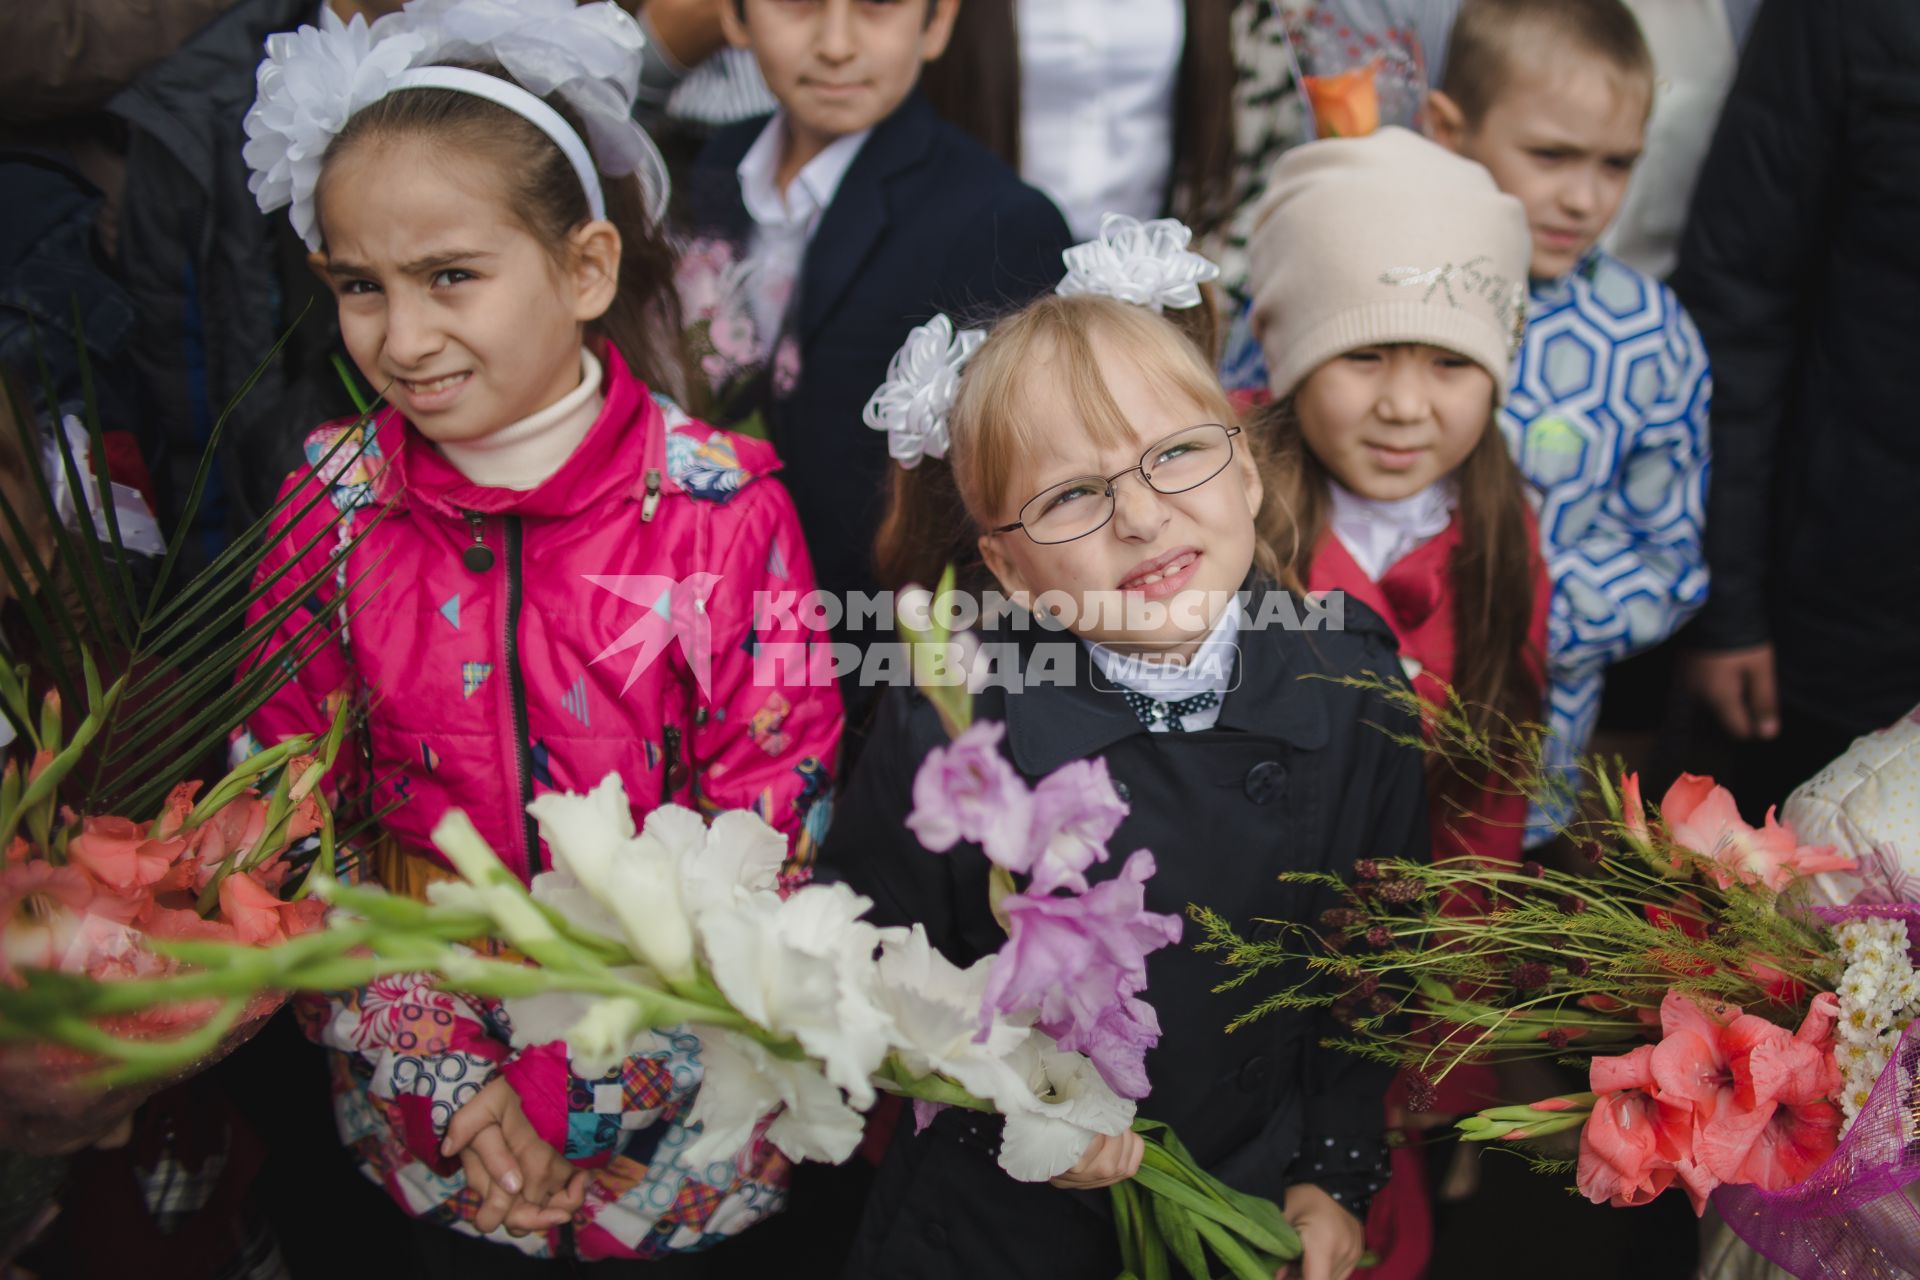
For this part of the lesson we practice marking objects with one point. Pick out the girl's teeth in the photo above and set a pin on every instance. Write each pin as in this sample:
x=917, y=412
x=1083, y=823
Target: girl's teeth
x=438, y=384
x=1150, y=579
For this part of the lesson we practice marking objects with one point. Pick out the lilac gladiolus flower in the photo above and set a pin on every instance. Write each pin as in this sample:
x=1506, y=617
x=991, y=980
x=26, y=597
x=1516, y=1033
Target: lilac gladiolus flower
x=968, y=791
x=1075, y=812
x=1079, y=961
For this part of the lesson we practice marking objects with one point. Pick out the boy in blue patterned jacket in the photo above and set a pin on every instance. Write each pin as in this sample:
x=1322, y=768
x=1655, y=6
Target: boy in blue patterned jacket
x=1607, y=413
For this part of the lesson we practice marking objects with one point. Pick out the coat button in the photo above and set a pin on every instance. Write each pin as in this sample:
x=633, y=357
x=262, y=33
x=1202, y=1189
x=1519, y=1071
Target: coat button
x=1264, y=781
x=1122, y=790
x=936, y=1235
x=1255, y=1074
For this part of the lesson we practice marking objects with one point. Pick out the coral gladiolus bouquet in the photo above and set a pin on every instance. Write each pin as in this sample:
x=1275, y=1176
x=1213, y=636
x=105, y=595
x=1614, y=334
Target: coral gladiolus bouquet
x=99, y=895
x=1739, y=1043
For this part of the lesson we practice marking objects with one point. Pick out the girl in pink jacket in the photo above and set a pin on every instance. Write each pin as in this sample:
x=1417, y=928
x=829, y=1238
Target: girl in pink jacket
x=561, y=574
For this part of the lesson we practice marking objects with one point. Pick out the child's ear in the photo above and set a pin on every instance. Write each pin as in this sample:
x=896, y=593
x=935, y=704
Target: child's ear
x=1446, y=121
x=939, y=29
x=1256, y=491
x=733, y=23
x=596, y=268
x=1002, y=567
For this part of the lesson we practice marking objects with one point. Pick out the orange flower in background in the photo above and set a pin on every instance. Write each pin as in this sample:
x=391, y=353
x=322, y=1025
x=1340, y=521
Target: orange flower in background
x=1346, y=105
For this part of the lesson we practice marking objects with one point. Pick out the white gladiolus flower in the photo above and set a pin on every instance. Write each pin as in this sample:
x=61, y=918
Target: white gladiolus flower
x=1069, y=1104
x=935, y=1010
x=636, y=879
x=804, y=967
x=744, y=1082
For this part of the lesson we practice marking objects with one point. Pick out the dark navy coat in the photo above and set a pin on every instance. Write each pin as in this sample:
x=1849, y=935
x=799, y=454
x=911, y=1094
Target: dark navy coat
x=1298, y=774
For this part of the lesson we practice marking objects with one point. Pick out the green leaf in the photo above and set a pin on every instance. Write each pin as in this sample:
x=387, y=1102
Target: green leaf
x=1229, y=1250
x=1125, y=1220
x=1183, y=1242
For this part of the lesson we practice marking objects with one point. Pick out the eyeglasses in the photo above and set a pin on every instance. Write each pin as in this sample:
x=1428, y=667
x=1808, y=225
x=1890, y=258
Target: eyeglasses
x=1083, y=505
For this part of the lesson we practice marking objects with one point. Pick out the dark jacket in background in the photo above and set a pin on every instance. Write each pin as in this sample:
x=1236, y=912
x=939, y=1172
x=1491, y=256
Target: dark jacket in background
x=215, y=282
x=1295, y=777
x=926, y=220
x=1801, y=266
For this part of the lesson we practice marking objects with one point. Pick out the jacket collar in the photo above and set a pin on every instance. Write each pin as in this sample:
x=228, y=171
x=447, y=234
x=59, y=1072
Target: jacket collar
x=858, y=216
x=1054, y=721
x=625, y=443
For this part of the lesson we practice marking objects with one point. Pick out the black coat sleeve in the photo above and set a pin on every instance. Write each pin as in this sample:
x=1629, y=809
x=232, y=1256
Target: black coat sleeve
x=1747, y=265
x=1343, y=1147
x=869, y=847
x=1004, y=260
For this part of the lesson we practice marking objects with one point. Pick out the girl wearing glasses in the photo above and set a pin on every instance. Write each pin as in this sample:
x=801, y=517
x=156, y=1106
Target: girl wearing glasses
x=1094, y=471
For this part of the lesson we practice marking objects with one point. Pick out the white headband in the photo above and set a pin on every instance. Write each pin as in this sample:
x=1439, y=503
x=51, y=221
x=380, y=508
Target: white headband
x=1147, y=264
x=314, y=80
x=523, y=104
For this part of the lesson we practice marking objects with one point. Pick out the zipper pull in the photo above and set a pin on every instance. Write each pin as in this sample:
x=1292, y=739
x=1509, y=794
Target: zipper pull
x=479, y=556
x=651, y=503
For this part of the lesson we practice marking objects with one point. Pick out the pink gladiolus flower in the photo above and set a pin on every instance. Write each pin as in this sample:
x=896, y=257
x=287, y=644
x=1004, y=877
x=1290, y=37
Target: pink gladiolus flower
x=1633, y=810
x=258, y=917
x=1703, y=817
x=968, y=791
x=234, y=829
x=174, y=811
x=1080, y=961
x=41, y=907
x=118, y=854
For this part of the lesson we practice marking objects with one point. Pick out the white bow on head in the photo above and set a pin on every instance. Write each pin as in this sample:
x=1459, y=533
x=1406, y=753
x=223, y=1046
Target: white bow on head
x=923, y=381
x=313, y=80
x=1145, y=263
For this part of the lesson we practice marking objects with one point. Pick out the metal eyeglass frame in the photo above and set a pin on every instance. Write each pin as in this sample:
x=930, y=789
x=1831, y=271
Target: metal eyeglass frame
x=1108, y=483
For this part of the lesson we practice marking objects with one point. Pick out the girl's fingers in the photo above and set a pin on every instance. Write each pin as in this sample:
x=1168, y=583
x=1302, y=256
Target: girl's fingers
x=489, y=1146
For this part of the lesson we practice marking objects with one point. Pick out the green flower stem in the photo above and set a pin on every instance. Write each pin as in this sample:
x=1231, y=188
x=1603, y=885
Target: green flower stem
x=241, y=778
x=40, y=791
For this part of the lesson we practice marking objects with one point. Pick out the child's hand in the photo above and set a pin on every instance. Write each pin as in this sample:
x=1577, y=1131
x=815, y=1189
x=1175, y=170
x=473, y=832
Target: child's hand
x=1107, y=1161
x=523, y=1183
x=1331, y=1239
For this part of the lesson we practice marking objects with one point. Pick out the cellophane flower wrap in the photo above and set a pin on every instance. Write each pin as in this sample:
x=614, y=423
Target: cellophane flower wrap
x=1742, y=1046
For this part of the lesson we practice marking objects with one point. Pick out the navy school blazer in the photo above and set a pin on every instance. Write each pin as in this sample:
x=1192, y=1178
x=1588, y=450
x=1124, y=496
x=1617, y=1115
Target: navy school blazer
x=927, y=220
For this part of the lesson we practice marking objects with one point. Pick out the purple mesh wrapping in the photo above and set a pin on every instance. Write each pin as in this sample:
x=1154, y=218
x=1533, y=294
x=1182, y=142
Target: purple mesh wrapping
x=1851, y=1216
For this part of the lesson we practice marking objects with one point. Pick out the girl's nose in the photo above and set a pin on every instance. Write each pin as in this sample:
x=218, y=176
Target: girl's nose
x=412, y=335
x=1139, y=512
x=1403, y=395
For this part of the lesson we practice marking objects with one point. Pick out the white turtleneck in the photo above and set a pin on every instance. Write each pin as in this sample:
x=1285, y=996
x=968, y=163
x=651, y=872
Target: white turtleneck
x=525, y=454
x=1378, y=533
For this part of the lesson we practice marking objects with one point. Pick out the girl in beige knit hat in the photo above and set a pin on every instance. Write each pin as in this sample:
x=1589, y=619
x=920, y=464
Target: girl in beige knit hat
x=1389, y=280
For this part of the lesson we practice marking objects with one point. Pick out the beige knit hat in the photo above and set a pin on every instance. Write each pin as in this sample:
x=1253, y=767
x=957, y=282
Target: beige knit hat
x=1386, y=238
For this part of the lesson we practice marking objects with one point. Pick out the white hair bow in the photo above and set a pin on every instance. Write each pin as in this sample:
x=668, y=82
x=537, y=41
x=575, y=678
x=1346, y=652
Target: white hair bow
x=1145, y=263
x=313, y=80
x=923, y=381
x=310, y=84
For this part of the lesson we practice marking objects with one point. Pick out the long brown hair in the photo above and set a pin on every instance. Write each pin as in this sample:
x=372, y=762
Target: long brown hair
x=540, y=187
x=976, y=85
x=1496, y=673
x=937, y=510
